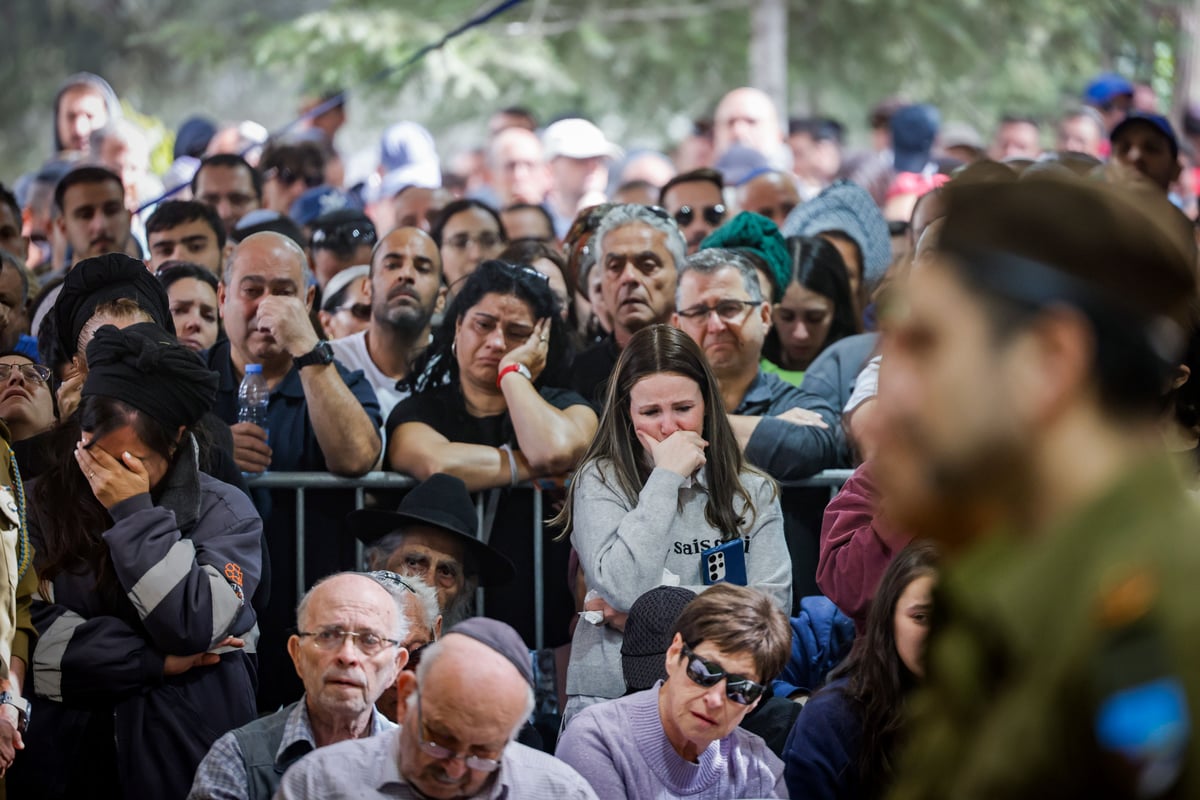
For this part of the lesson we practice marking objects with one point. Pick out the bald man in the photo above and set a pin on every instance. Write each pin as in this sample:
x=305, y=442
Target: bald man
x=460, y=715
x=518, y=168
x=405, y=289
x=321, y=418
x=341, y=687
x=771, y=193
x=747, y=117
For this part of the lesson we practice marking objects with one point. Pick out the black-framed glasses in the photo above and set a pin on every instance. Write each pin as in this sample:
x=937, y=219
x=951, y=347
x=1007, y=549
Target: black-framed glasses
x=435, y=750
x=738, y=688
x=360, y=311
x=713, y=215
x=343, y=238
x=368, y=643
x=485, y=239
x=34, y=373
x=727, y=310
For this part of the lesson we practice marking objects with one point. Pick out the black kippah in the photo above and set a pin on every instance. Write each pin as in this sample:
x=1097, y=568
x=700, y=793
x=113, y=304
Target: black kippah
x=144, y=367
x=95, y=281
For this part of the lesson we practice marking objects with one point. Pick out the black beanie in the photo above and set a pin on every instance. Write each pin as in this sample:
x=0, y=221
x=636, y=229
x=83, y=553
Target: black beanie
x=102, y=279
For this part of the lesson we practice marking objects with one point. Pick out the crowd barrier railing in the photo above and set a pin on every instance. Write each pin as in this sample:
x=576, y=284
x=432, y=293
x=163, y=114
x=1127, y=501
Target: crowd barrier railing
x=303, y=482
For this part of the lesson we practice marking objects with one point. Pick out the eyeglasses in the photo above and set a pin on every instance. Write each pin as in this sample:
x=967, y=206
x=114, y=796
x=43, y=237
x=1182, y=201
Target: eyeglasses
x=414, y=656
x=368, y=643
x=34, y=373
x=727, y=310
x=435, y=750
x=360, y=311
x=486, y=240
x=345, y=237
x=738, y=688
x=713, y=215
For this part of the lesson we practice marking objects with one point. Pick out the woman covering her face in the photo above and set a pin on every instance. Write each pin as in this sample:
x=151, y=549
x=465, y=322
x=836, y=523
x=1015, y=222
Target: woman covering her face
x=147, y=567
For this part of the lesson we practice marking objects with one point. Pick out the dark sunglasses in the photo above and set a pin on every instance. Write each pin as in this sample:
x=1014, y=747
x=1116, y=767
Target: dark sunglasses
x=287, y=177
x=360, y=311
x=345, y=237
x=738, y=688
x=713, y=215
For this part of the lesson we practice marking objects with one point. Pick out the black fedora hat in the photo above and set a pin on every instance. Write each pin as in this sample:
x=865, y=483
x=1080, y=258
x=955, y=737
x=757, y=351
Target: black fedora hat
x=443, y=502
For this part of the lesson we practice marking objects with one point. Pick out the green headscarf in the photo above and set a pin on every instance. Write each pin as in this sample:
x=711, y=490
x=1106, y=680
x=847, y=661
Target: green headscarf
x=756, y=233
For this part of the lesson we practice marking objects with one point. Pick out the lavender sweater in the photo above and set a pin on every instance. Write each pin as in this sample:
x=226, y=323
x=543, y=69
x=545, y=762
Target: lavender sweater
x=621, y=749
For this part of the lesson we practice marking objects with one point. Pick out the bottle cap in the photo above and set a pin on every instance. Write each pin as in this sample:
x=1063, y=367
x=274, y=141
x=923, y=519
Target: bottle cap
x=254, y=369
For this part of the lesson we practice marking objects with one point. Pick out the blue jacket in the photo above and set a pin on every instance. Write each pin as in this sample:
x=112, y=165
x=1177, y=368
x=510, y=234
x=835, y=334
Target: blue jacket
x=186, y=565
x=821, y=754
x=821, y=638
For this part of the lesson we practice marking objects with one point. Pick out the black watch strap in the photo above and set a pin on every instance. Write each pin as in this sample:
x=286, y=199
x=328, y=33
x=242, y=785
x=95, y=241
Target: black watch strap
x=321, y=354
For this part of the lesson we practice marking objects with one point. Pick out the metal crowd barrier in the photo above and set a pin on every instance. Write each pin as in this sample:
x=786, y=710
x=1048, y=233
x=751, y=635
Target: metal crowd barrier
x=303, y=482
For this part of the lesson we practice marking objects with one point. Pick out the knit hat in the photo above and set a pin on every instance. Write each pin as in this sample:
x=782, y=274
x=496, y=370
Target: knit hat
x=145, y=366
x=649, y=629
x=848, y=208
x=756, y=233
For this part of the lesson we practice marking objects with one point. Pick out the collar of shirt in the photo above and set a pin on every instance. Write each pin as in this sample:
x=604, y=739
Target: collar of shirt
x=298, y=732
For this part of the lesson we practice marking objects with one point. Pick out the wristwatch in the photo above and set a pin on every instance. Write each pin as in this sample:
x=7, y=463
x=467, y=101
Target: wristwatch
x=322, y=354
x=22, y=707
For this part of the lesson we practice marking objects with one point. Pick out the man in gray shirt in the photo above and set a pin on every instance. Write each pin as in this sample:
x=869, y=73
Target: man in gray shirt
x=456, y=741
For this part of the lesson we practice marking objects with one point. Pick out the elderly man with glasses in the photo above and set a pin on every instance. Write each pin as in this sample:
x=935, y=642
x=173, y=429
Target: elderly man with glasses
x=461, y=712
x=681, y=738
x=347, y=651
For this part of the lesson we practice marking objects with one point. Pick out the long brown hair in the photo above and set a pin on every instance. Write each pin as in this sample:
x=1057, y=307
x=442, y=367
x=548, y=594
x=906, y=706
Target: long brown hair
x=656, y=350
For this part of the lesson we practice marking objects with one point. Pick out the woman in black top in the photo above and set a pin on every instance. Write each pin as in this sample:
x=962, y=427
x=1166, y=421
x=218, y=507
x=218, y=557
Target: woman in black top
x=483, y=409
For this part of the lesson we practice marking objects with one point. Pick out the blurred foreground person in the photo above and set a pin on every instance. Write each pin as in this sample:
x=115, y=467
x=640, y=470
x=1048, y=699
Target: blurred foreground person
x=1022, y=401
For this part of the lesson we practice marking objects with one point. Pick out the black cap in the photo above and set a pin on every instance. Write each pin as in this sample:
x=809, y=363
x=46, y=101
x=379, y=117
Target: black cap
x=443, y=502
x=649, y=630
x=499, y=637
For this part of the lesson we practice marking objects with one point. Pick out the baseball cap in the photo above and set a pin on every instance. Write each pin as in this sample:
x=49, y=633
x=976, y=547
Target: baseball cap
x=577, y=138
x=1159, y=122
x=409, y=158
x=1105, y=88
x=318, y=201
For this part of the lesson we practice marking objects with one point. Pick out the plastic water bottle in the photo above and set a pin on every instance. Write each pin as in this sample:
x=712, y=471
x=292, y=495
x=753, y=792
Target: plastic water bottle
x=253, y=397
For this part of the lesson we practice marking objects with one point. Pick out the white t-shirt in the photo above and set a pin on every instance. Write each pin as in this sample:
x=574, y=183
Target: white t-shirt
x=352, y=352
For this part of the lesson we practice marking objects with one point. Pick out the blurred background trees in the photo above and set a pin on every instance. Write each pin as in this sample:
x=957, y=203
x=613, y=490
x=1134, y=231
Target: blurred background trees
x=643, y=69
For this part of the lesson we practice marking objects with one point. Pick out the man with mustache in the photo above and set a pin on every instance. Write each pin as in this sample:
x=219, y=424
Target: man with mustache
x=347, y=650
x=405, y=289
x=93, y=218
x=639, y=250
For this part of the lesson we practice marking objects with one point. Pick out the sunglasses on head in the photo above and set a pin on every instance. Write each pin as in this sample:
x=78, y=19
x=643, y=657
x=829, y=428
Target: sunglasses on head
x=360, y=311
x=713, y=215
x=287, y=177
x=738, y=688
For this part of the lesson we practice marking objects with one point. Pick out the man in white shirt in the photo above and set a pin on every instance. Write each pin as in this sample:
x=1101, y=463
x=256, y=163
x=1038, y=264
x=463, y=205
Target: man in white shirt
x=405, y=291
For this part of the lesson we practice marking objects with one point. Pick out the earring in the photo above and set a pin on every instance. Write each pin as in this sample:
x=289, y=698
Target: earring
x=454, y=347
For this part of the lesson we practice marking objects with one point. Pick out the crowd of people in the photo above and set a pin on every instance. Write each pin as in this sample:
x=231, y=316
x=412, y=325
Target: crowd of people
x=998, y=339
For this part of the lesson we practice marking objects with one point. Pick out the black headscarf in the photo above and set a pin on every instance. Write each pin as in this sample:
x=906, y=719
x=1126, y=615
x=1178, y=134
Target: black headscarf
x=145, y=367
x=94, y=281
